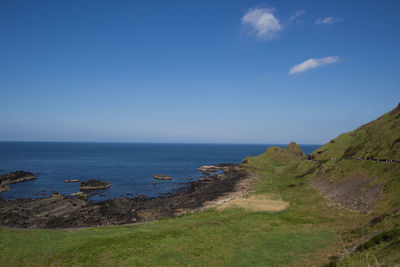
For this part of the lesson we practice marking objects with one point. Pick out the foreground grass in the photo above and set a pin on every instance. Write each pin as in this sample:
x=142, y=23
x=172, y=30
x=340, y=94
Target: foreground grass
x=308, y=232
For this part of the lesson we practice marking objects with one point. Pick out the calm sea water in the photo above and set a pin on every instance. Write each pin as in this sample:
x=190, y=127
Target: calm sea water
x=129, y=167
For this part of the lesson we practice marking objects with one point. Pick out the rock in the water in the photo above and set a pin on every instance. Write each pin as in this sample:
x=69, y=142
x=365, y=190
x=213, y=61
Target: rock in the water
x=77, y=194
x=16, y=177
x=207, y=169
x=4, y=188
x=94, y=185
x=162, y=177
x=72, y=181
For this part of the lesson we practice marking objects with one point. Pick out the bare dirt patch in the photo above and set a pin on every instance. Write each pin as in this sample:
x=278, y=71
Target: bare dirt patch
x=352, y=191
x=256, y=203
x=241, y=189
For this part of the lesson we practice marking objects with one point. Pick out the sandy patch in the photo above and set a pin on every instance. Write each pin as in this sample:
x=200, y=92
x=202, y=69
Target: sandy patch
x=255, y=203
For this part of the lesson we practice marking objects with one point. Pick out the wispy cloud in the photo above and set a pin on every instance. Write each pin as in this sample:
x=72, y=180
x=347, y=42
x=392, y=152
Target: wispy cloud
x=313, y=63
x=327, y=20
x=298, y=13
x=262, y=23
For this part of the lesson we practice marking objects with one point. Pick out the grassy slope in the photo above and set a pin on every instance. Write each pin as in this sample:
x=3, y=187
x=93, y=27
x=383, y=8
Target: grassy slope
x=378, y=139
x=386, y=253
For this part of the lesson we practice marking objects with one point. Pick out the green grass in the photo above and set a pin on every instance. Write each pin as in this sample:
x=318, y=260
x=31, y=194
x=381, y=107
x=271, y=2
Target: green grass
x=227, y=238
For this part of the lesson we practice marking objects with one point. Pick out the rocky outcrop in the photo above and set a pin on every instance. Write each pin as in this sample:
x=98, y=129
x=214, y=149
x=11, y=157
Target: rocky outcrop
x=291, y=152
x=162, y=177
x=77, y=194
x=4, y=188
x=94, y=185
x=208, y=169
x=16, y=177
x=205, y=179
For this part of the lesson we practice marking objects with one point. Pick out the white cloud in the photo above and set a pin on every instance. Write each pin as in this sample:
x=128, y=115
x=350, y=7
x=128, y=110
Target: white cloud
x=327, y=20
x=296, y=15
x=313, y=63
x=262, y=23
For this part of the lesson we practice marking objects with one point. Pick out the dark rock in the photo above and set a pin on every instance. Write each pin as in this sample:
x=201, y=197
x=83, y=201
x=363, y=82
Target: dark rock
x=4, y=188
x=244, y=161
x=311, y=157
x=378, y=219
x=162, y=177
x=205, y=179
x=141, y=197
x=16, y=177
x=207, y=169
x=94, y=185
x=153, y=183
x=77, y=194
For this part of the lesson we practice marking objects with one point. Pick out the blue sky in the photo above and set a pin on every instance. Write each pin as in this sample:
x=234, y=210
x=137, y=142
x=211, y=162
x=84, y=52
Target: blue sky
x=195, y=71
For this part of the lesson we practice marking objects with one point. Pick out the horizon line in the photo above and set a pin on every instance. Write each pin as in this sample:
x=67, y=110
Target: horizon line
x=138, y=142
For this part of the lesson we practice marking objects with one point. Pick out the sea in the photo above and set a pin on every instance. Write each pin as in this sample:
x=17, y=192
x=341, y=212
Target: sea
x=129, y=167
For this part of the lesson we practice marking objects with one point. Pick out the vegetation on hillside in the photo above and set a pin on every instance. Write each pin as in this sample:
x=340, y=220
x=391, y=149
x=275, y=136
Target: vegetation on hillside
x=276, y=154
x=379, y=139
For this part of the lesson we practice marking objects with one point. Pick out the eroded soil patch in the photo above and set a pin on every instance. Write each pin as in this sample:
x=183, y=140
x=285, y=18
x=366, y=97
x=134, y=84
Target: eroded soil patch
x=352, y=191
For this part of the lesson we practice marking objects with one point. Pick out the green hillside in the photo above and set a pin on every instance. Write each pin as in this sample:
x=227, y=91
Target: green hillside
x=291, y=152
x=378, y=139
x=369, y=188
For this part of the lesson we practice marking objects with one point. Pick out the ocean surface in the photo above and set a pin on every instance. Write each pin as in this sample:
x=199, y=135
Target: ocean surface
x=129, y=167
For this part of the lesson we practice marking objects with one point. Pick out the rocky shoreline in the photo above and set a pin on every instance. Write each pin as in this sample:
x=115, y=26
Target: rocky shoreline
x=14, y=177
x=60, y=211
